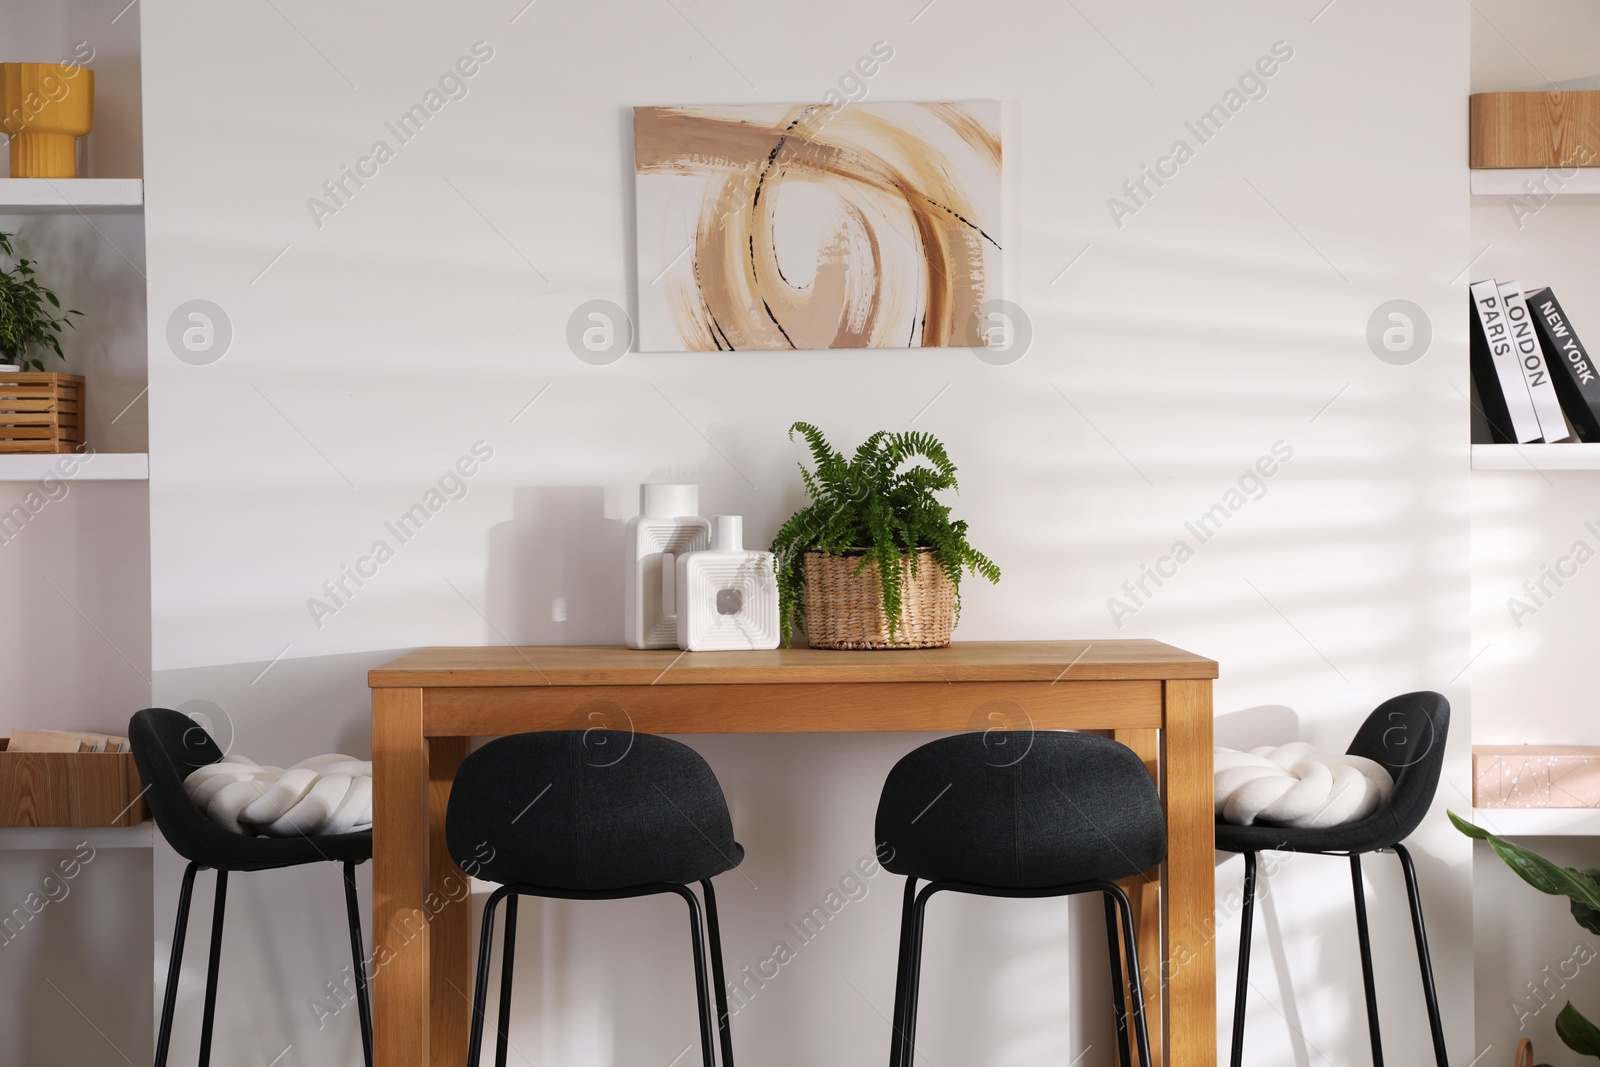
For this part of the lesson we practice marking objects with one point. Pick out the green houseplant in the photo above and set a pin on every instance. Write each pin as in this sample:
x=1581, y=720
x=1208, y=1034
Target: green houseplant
x=1581, y=887
x=877, y=534
x=30, y=314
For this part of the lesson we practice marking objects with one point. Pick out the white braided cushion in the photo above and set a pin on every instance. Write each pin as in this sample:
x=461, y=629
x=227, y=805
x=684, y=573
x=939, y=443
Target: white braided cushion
x=329, y=794
x=1295, y=785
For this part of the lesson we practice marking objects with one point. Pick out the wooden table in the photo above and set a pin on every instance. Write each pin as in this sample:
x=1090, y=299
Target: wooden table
x=427, y=705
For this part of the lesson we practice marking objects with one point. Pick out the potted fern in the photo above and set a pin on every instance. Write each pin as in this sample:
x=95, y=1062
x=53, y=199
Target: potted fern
x=874, y=560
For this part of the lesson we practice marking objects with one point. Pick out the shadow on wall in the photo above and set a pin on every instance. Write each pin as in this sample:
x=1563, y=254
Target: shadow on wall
x=1247, y=728
x=555, y=569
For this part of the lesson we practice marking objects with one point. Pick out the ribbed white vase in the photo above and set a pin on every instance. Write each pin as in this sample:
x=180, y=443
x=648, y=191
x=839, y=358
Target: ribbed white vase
x=669, y=526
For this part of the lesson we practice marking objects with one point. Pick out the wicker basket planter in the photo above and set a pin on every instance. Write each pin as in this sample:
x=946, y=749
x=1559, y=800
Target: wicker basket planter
x=844, y=609
x=40, y=412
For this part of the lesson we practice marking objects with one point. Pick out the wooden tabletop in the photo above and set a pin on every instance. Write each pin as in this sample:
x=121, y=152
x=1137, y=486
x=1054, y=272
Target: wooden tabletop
x=963, y=661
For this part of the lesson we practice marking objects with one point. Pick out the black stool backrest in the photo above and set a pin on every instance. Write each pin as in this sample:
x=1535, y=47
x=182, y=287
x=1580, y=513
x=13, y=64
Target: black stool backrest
x=1407, y=735
x=167, y=745
x=1020, y=809
x=588, y=810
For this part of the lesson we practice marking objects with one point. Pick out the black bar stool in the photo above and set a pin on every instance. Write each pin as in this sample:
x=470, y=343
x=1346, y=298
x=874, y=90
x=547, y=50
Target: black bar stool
x=1043, y=815
x=592, y=815
x=1406, y=734
x=168, y=745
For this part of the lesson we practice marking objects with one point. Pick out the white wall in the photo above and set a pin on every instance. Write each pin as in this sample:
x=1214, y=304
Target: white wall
x=1226, y=315
x=1531, y=677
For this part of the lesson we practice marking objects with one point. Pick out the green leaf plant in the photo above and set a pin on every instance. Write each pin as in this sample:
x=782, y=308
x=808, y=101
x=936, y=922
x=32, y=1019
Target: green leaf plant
x=879, y=504
x=28, y=312
x=1582, y=888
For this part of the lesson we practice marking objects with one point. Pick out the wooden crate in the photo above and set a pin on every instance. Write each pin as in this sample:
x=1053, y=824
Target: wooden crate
x=41, y=412
x=1559, y=129
x=70, y=789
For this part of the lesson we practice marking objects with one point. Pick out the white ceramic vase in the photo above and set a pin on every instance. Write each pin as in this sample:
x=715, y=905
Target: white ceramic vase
x=669, y=525
x=727, y=596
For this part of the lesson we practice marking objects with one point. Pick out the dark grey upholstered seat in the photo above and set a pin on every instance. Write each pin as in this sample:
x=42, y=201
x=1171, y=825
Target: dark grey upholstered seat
x=1044, y=809
x=1020, y=814
x=1407, y=735
x=592, y=815
x=589, y=810
x=167, y=746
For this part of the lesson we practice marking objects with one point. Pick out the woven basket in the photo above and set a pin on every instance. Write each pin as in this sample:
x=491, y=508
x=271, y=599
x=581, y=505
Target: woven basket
x=844, y=609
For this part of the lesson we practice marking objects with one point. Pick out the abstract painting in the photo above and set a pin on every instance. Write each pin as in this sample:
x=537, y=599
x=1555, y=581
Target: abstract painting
x=775, y=227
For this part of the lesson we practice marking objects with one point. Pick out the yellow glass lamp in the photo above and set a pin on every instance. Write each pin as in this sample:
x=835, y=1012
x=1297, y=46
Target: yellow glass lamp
x=44, y=109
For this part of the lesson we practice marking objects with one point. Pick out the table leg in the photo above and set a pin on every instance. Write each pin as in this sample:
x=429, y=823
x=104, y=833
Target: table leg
x=1144, y=892
x=400, y=872
x=1188, y=891
x=450, y=914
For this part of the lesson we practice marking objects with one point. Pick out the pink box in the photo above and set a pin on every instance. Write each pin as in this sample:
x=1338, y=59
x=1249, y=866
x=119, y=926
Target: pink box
x=1535, y=776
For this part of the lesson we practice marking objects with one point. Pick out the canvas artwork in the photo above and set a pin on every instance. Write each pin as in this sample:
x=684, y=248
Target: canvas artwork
x=776, y=227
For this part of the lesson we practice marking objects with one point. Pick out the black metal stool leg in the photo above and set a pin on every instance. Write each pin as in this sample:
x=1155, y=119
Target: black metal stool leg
x=169, y=1003
x=707, y=1025
x=1429, y=994
x=1241, y=991
x=508, y=955
x=897, y=1025
x=213, y=965
x=719, y=981
x=1135, y=984
x=358, y=959
x=919, y=916
x=1365, y=939
x=1118, y=1002
x=480, y=990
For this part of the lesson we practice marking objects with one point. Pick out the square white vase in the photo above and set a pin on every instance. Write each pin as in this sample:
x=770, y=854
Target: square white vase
x=727, y=596
x=669, y=526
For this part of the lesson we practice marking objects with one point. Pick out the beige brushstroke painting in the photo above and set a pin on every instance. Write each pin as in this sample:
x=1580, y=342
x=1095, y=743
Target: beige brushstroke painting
x=776, y=227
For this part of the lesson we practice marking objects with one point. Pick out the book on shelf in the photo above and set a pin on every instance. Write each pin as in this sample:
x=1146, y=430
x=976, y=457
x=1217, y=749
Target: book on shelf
x=1530, y=358
x=1502, y=387
x=1479, y=421
x=1577, y=382
x=65, y=741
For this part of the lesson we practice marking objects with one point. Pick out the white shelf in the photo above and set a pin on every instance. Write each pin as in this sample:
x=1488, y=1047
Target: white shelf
x=65, y=838
x=1582, y=181
x=31, y=195
x=96, y=467
x=1538, y=822
x=1568, y=456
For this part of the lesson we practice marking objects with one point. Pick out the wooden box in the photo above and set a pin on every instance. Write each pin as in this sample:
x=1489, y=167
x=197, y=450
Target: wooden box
x=69, y=789
x=1547, y=129
x=40, y=412
x=1535, y=776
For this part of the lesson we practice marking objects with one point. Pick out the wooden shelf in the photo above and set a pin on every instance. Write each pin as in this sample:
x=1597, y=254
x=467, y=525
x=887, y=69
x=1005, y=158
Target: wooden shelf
x=1570, y=456
x=1539, y=822
x=99, y=467
x=33, y=195
x=1585, y=181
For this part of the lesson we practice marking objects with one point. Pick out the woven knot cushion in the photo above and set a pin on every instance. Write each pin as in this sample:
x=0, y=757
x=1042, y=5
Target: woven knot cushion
x=1295, y=785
